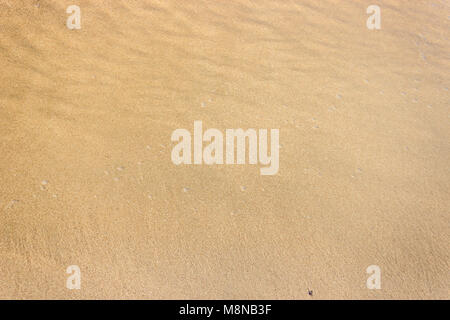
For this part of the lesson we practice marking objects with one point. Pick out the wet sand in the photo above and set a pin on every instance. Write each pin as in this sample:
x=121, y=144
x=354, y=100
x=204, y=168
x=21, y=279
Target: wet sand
x=85, y=164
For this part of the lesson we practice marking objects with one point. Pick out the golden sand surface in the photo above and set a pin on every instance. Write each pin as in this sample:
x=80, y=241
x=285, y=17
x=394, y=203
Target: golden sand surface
x=87, y=179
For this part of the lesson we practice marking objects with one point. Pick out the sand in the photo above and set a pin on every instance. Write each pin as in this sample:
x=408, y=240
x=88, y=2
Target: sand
x=86, y=175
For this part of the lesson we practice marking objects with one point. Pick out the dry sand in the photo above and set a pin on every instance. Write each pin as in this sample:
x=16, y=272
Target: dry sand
x=86, y=176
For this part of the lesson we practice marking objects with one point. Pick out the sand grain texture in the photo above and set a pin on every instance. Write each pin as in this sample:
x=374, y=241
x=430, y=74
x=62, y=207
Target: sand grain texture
x=86, y=177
